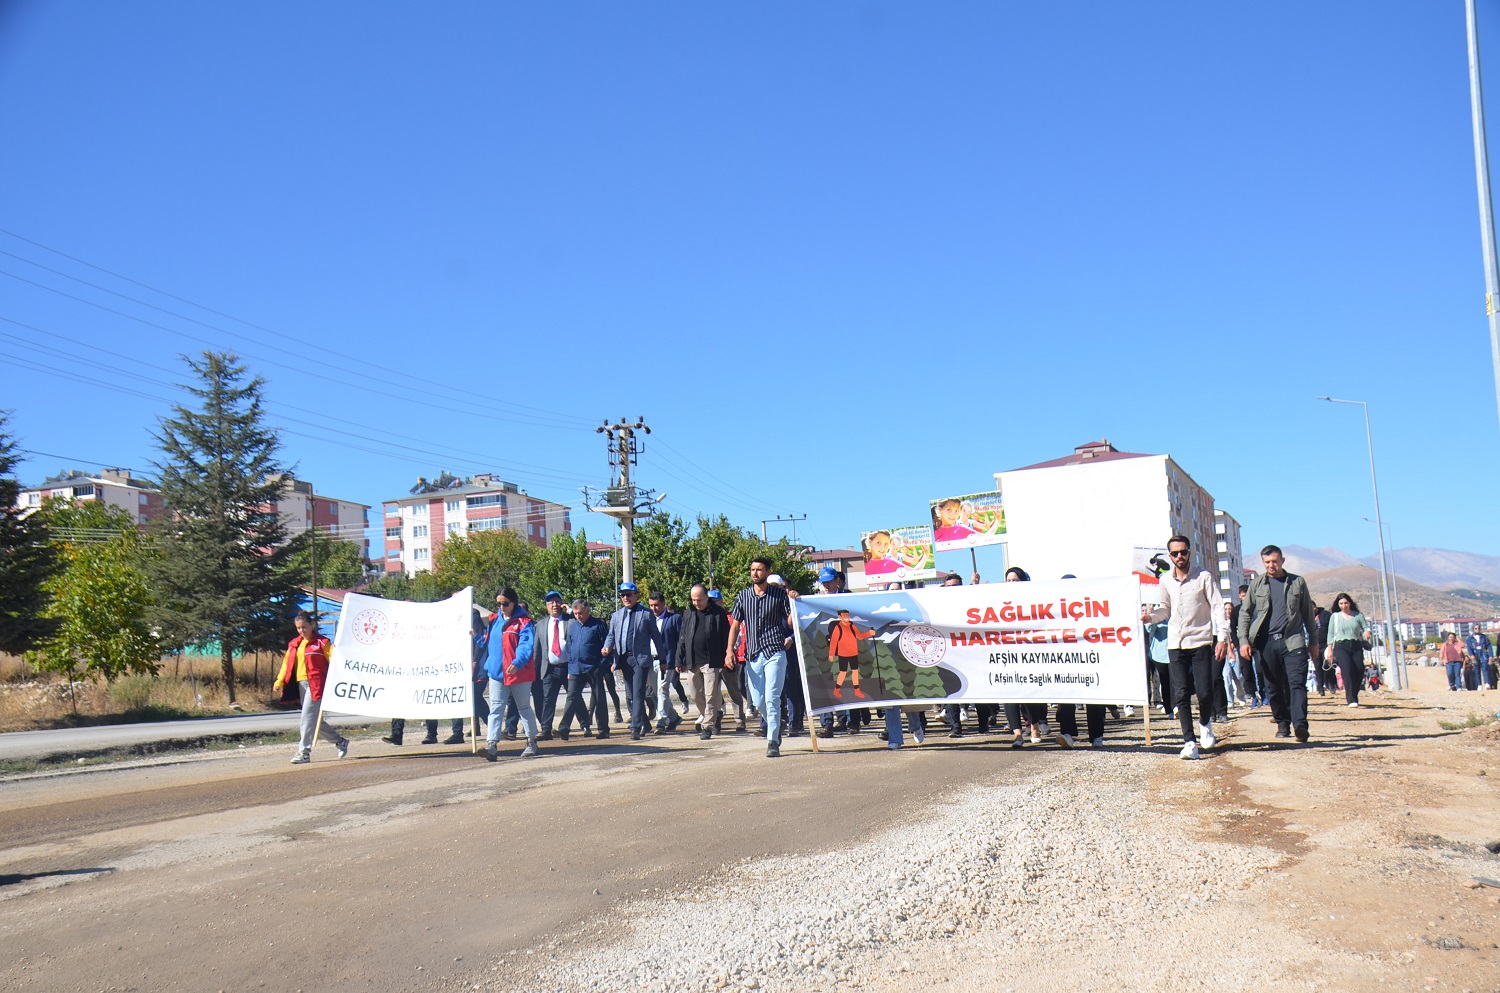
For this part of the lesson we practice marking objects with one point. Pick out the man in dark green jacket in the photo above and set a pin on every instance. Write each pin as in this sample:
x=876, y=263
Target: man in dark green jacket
x=1277, y=624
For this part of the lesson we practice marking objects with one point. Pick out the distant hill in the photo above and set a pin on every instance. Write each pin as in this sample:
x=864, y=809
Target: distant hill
x=1414, y=600
x=1438, y=568
x=1306, y=561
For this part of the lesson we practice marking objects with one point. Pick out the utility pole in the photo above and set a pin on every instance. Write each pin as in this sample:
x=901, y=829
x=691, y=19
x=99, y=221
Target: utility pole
x=620, y=498
x=793, y=521
x=312, y=505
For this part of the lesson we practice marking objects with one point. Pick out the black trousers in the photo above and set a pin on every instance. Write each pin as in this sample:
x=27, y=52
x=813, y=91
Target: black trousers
x=1067, y=719
x=575, y=708
x=1192, y=672
x=1349, y=656
x=796, y=703
x=398, y=727
x=1323, y=678
x=1247, y=674
x=1285, y=670
x=1036, y=713
x=638, y=689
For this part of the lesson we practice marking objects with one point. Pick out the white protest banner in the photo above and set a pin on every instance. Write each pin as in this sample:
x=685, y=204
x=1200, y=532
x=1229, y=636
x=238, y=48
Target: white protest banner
x=394, y=658
x=1065, y=641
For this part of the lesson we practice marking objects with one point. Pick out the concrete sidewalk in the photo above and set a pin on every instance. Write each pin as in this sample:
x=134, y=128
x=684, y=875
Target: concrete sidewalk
x=21, y=745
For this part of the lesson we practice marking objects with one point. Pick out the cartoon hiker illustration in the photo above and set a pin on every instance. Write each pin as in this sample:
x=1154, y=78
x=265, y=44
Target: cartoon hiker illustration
x=843, y=649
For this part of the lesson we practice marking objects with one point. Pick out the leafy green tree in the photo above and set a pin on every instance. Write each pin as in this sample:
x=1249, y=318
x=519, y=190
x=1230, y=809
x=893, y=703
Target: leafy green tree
x=485, y=560
x=27, y=561
x=566, y=566
x=671, y=556
x=341, y=564
x=101, y=597
x=220, y=577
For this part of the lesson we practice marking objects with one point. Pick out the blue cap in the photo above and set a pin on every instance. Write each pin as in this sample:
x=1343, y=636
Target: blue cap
x=627, y=588
x=552, y=595
x=715, y=595
x=827, y=574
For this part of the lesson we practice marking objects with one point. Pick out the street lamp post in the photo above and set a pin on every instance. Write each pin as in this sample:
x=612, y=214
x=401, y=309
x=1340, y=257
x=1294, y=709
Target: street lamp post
x=1395, y=596
x=1399, y=680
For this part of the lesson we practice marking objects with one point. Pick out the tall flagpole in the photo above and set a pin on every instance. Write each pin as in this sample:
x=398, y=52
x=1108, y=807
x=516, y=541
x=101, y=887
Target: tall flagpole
x=1486, y=203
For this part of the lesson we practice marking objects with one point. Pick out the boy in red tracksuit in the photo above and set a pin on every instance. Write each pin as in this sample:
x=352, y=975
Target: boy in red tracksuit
x=306, y=664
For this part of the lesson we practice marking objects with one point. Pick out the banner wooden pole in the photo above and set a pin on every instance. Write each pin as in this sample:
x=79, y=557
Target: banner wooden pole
x=802, y=656
x=474, y=734
x=1146, y=710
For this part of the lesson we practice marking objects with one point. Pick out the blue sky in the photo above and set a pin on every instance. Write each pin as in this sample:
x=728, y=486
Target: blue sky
x=963, y=237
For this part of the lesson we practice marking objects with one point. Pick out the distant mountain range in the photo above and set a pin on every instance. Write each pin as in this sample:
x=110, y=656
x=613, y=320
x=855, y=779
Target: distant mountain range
x=1438, y=568
x=1413, y=600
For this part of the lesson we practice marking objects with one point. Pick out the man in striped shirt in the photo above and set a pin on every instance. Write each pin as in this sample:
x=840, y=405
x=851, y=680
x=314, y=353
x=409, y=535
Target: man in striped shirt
x=764, y=611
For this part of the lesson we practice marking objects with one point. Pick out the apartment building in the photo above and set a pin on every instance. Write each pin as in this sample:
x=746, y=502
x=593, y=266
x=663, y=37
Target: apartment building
x=417, y=525
x=1230, y=558
x=1088, y=513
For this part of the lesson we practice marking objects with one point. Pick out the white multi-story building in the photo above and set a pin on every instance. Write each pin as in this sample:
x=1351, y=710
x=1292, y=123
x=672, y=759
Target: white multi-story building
x=116, y=487
x=417, y=525
x=1231, y=559
x=1087, y=514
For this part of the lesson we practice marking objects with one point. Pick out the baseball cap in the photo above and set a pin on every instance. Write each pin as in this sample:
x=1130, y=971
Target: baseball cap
x=627, y=588
x=827, y=574
x=552, y=595
x=715, y=595
x=775, y=579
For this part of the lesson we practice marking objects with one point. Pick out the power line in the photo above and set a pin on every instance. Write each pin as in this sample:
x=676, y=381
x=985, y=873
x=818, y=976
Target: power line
x=580, y=422
x=278, y=363
x=482, y=460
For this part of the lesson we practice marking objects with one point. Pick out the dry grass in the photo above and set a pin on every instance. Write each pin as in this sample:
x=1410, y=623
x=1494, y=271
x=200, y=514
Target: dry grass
x=186, y=686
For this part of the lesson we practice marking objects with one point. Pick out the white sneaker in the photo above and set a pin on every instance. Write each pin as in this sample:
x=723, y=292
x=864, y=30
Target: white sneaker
x=342, y=748
x=1065, y=740
x=1206, y=736
x=920, y=734
x=1097, y=742
x=1129, y=711
x=1189, y=751
x=1354, y=704
x=301, y=758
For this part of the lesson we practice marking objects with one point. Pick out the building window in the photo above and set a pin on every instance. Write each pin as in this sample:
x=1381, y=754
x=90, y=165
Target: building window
x=487, y=524
x=487, y=500
x=394, y=553
x=419, y=531
x=393, y=532
x=453, y=506
x=83, y=491
x=419, y=555
x=454, y=526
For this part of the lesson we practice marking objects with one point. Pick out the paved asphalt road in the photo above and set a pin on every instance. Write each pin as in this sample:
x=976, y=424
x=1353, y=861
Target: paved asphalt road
x=20, y=745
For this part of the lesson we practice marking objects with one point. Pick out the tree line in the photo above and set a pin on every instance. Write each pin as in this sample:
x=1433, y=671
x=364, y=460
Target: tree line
x=86, y=592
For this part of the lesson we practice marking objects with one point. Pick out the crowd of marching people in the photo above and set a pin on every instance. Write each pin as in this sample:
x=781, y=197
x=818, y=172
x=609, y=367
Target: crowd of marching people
x=560, y=673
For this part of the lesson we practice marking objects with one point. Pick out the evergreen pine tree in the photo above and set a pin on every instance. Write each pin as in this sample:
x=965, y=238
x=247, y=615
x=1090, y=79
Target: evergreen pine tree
x=27, y=561
x=220, y=576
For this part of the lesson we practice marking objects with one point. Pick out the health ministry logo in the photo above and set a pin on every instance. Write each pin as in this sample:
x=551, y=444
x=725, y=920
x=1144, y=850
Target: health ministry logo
x=371, y=626
x=923, y=645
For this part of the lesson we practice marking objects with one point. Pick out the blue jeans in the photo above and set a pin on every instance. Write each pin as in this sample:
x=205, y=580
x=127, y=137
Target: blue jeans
x=767, y=672
x=893, y=734
x=515, y=697
x=1455, y=675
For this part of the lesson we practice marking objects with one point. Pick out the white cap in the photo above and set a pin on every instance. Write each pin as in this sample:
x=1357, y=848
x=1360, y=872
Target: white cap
x=775, y=580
